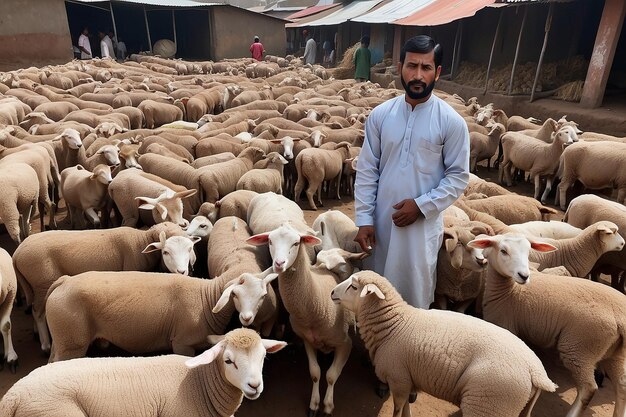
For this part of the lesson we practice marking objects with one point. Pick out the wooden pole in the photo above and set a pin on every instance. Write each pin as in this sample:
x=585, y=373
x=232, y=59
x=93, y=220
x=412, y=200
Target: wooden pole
x=454, y=52
x=113, y=19
x=145, y=16
x=519, y=43
x=493, y=48
x=543, y=50
x=174, y=28
x=456, y=59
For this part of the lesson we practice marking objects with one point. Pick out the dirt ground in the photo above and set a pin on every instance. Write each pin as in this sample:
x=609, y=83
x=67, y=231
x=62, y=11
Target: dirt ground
x=288, y=386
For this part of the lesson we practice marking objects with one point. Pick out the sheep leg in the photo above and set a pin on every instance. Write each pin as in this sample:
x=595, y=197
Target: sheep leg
x=319, y=195
x=339, y=361
x=5, y=328
x=537, y=179
x=531, y=404
x=93, y=216
x=298, y=189
x=42, y=329
x=310, y=191
x=40, y=207
x=585, y=382
x=316, y=373
x=473, y=163
x=563, y=187
x=548, y=189
x=616, y=371
x=338, y=184
x=400, y=394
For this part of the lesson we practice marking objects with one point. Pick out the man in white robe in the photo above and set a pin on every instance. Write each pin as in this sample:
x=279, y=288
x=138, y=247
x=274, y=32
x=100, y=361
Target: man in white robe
x=414, y=163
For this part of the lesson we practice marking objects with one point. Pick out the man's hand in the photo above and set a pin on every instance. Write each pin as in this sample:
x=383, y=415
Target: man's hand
x=366, y=238
x=407, y=213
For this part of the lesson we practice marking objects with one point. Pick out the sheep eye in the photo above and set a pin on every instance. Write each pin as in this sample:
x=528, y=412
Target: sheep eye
x=165, y=252
x=296, y=244
x=502, y=251
x=353, y=287
x=203, y=226
x=228, y=362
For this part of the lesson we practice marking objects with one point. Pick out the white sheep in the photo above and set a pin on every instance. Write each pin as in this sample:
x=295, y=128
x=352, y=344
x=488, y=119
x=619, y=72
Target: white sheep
x=485, y=146
x=266, y=179
x=8, y=292
x=85, y=193
x=305, y=293
x=212, y=159
x=336, y=230
x=119, y=387
x=340, y=262
x=511, y=208
x=233, y=204
x=19, y=188
x=74, y=252
x=593, y=339
x=552, y=229
x=488, y=371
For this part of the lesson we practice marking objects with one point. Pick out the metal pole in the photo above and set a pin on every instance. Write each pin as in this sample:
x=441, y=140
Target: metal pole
x=493, y=48
x=145, y=16
x=519, y=43
x=174, y=26
x=113, y=19
x=543, y=50
x=456, y=41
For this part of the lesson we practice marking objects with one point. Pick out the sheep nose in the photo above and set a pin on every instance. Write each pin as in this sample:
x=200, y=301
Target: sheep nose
x=279, y=263
x=524, y=277
x=254, y=386
x=182, y=271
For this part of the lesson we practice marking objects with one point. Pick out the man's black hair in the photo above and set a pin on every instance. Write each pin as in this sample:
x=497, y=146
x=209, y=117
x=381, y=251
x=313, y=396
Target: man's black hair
x=422, y=44
x=365, y=40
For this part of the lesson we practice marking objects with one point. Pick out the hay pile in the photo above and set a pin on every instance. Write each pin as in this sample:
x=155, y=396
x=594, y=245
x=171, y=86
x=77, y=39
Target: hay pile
x=571, y=91
x=569, y=71
x=345, y=68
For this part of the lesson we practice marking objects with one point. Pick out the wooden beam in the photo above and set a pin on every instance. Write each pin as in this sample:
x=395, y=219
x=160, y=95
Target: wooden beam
x=543, y=50
x=174, y=28
x=114, y=27
x=456, y=56
x=519, y=43
x=493, y=48
x=145, y=16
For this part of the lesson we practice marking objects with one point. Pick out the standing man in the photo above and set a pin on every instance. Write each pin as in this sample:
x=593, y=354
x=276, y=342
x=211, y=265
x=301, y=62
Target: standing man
x=362, y=61
x=310, y=49
x=84, y=45
x=256, y=49
x=106, y=51
x=414, y=163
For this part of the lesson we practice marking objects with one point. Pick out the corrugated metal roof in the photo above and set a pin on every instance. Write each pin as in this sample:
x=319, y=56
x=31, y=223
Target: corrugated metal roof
x=342, y=15
x=162, y=3
x=440, y=12
x=310, y=11
x=396, y=9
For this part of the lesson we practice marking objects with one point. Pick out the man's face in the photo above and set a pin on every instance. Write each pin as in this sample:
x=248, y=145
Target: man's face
x=419, y=74
x=85, y=32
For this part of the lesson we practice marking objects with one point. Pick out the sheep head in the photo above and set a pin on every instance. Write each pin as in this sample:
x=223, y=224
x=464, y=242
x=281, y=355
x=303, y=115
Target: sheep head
x=176, y=252
x=102, y=174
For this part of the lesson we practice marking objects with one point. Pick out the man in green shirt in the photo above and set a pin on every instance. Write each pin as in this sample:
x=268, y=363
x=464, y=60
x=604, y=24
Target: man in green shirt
x=362, y=61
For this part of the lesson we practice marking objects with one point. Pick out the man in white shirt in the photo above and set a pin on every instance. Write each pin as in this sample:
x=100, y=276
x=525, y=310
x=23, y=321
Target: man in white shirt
x=106, y=46
x=84, y=45
x=414, y=163
x=310, y=50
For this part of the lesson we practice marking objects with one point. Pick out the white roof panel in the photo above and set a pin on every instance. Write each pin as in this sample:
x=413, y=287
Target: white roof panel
x=346, y=13
x=163, y=3
x=396, y=9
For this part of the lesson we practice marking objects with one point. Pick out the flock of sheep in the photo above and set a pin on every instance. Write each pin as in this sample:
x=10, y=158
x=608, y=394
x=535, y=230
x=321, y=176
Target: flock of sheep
x=171, y=168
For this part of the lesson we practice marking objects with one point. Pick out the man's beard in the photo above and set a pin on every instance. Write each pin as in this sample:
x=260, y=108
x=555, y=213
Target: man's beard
x=426, y=89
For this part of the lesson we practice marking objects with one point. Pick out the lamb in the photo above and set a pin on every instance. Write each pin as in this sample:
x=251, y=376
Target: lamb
x=232, y=367
x=512, y=208
x=267, y=179
x=182, y=152
x=513, y=292
x=305, y=292
x=534, y=156
x=85, y=192
x=403, y=340
x=551, y=230
x=597, y=165
x=588, y=209
x=485, y=146
x=110, y=250
x=157, y=114
x=460, y=269
x=106, y=155
x=318, y=165
x=212, y=159
x=490, y=189
x=19, y=188
x=254, y=299
x=8, y=291
x=283, y=145
x=336, y=230
x=340, y=262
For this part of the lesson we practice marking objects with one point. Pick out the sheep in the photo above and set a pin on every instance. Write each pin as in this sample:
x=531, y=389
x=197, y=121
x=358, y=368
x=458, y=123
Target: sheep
x=512, y=208
x=181, y=151
x=588, y=209
x=513, y=292
x=336, y=230
x=19, y=188
x=157, y=114
x=163, y=200
x=552, y=229
x=267, y=179
x=534, y=156
x=8, y=291
x=212, y=159
x=596, y=165
x=490, y=189
x=305, y=292
x=110, y=249
x=340, y=262
x=543, y=133
x=106, y=155
x=232, y=367
x=316, y=166
x=85, y=192
x=460, y=269
x=159, y=149
x=214, y=146
x=485, y=146
x=254, y=299
x=412, y=348
x=283, y=145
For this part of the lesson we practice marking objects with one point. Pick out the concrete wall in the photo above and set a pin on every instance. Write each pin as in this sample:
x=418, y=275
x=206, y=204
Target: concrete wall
x=233, y=31
x=33, y=32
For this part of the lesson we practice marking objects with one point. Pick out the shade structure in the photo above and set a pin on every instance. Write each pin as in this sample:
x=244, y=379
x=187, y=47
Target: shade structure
x=309, y=11
x=342, y=15
x=440, y=12
x=393, y=10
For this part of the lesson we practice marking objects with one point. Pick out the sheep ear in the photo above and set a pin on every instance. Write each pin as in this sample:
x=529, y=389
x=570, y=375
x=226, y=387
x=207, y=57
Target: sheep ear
x=457, y=258
x=310, y=240
x=225, y=297
x=207, y=356
x=606, y=229
x=163, y=210
x=186, y=193
x=154, y=246
x=372, y=289
x=355, y=162
x=357, y=256
x=450, y=239
x=542, y=247
x=269, y=278
x=258, y=240
x=481, y=243
x=147, y=206
x=273, y=346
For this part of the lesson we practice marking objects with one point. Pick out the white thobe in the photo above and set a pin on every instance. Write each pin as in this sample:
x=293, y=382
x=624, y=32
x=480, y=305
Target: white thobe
x=104, y=49
x=109, y=43
x=84, y=42
x=310, y=51
x=422, y=154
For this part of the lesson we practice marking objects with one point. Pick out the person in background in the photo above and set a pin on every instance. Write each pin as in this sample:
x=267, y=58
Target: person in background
x=327, y=47
x=113, y=42
x=362, y=60
x=105, y=52
x=256, y=49
x=413, y=165
x=84, y=45
x=310, y=49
